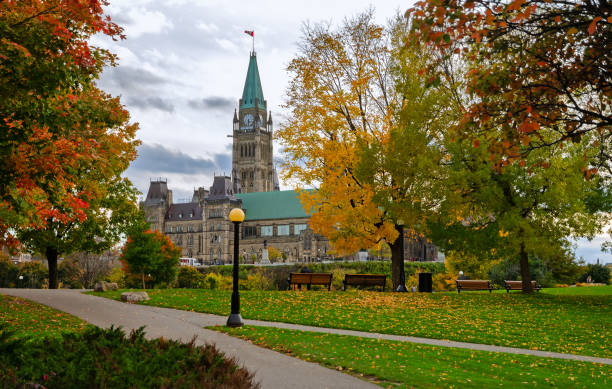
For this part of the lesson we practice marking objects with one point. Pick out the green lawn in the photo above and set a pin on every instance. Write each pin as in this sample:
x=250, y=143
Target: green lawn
x=569, y=324
x=581, y=291
x=29, y=319
x=402, y=364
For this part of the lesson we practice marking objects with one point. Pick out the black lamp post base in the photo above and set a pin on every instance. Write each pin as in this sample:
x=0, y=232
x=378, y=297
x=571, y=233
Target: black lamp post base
x=234, y=320
x=402, y=288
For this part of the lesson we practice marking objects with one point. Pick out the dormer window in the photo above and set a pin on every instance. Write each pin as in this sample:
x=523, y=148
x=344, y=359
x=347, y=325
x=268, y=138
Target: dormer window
x=190, y=213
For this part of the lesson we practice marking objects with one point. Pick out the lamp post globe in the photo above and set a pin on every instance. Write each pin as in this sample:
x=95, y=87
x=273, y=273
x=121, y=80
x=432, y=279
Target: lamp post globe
x=236, y=216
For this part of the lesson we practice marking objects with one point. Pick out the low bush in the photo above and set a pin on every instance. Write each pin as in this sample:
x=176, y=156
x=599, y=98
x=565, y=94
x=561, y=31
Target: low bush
x=256, y=281
x=106, y=358
x=117, y=276
x=69, y=273
x=35, y=275
x=189, y=277
x=218, y=281
x=8, y=273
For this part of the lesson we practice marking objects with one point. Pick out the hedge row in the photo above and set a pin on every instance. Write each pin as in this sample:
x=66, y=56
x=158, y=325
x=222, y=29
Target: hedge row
x=278, y=275
x=106, y=358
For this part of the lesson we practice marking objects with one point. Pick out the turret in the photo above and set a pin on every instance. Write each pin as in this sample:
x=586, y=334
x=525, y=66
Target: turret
x=236, y=121
x=270, y=122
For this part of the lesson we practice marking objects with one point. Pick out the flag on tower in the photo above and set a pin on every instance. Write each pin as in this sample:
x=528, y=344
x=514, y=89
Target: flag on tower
x=251, y=33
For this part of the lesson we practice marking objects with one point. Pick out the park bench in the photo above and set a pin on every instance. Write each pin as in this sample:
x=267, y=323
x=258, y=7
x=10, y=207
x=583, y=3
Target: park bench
x=474, y=285
x=518, y=285
x=365, y=280
x=310, y=279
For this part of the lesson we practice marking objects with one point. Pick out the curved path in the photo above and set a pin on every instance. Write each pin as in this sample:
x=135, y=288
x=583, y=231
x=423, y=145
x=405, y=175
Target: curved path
x=272, y=369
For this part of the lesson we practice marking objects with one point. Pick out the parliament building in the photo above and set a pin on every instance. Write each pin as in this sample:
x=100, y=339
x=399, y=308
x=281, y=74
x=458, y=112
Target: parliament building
x=272, y=217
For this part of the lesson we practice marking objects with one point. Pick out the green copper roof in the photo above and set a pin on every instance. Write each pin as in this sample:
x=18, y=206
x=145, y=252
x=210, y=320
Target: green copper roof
x=252, y=86
x=271, y=205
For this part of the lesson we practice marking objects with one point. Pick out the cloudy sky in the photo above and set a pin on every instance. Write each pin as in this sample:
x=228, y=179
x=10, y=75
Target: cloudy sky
x=182, y=69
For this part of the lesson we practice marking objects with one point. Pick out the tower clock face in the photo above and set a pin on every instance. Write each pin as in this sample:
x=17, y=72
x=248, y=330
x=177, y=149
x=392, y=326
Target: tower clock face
x=248, y=119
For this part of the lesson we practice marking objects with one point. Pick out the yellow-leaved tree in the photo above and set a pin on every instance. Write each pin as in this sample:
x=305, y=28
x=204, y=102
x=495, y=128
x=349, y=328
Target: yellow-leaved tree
x=364, y=132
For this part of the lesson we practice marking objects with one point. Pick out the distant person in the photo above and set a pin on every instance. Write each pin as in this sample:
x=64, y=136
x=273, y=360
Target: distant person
x=462, y=277
x=589, y=279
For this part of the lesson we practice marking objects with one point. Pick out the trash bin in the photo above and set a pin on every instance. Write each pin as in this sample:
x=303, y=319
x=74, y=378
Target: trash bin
x=425, y=282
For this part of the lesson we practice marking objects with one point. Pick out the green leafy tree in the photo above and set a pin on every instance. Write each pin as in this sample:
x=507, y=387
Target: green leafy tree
x=517, y=212
x=150, y=253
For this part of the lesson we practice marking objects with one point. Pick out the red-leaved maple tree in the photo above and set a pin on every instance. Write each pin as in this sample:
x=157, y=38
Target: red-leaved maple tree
x=540, y=71
x=63, y=142
x=46, y=69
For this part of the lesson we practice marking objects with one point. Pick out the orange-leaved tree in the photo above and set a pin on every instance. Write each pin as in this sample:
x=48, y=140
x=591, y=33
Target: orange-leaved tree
x=540, y=76
x=364, y=132
x=63, y=142
x=46, y=69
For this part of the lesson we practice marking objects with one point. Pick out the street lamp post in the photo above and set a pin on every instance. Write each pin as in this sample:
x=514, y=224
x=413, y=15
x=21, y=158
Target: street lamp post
x=402, y=284
x=236, y=216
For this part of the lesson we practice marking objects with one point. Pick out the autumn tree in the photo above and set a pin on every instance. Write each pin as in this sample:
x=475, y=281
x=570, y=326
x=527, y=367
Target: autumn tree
x=363, y=132
x=541, y=71
x=63, y=142
x=151, y=253
x=519, y=213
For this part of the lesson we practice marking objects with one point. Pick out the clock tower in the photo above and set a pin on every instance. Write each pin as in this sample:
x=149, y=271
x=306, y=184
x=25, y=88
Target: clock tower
x=252, y=154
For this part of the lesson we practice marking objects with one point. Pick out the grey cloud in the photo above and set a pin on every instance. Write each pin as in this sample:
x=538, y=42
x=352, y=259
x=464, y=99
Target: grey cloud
x=131, y=78
x=151, y=103
x=212, y=102
x=157, y=159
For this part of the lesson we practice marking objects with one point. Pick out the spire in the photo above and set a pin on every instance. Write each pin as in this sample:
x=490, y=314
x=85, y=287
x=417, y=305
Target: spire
x=235, y=116
x=252, y=87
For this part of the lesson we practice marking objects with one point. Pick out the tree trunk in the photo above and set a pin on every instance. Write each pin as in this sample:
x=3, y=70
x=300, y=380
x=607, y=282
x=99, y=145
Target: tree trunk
x=525, y=275
x=143, y=283
x=51, y=254
x=396, y=260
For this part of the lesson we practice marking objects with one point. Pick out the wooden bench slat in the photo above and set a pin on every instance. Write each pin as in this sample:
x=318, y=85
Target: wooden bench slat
x=365, y=280
x=310, y=279
x=473, y=285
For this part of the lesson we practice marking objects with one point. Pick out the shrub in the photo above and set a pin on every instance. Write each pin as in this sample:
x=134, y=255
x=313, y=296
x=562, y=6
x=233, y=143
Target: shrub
x=257, y=281
x=106, y=358
x=118, y=276
x=35, y=275
x=189, y=277
x=8, y=273
x=599, y=274
x=444, y=282
x=218, y=281
x=69, y=274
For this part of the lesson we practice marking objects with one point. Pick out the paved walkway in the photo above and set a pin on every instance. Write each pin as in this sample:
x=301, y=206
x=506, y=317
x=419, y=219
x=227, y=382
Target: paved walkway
x=272, y=369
